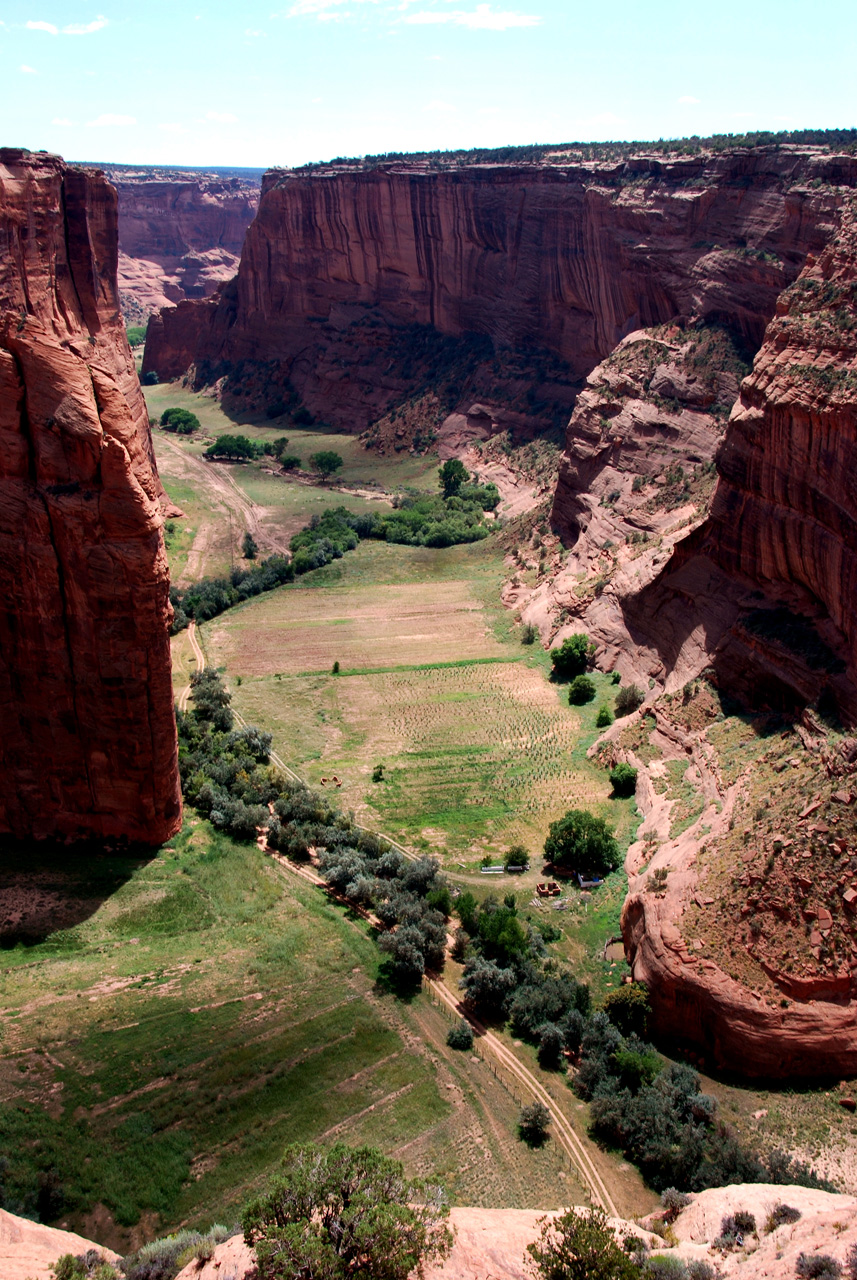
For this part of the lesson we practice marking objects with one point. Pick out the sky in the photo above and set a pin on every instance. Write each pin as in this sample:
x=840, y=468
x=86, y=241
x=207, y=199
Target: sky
x=181, y=82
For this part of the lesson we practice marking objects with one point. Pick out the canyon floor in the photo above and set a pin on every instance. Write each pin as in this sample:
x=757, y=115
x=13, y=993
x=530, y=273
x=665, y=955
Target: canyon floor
x=208, y=973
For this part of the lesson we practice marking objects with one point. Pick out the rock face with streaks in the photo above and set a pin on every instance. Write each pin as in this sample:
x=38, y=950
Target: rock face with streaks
x=88, y=746
x=565, y=259
x=179, y=236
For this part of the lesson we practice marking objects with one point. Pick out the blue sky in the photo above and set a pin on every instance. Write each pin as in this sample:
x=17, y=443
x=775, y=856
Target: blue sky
x=283, y=82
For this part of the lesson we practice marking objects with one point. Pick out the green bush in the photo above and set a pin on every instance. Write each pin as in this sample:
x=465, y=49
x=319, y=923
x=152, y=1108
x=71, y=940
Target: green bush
x=581, y=690
x=572, y=657
x=529, y=634
x=150, y=379
x=460, y=1036
x=290, y=462
x=341, y=1212
x=604, y=718
x=533, y=1123
x=451, y=476
x=623, y=779
x=136, y=334
x=580, y=1245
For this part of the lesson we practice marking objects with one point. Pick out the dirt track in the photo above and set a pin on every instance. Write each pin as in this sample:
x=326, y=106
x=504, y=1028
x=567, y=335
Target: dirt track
x=215, y=484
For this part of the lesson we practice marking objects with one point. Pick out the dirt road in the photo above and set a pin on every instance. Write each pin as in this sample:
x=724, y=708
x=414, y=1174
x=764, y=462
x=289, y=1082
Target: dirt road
x=229, y=507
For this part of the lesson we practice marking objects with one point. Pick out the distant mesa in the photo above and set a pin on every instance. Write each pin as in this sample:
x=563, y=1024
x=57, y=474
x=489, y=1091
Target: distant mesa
x=88, y=743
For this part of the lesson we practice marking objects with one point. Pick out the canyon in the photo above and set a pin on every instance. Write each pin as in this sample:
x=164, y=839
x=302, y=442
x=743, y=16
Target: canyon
x=89, y=744
x=695, y=314
x=180, y=235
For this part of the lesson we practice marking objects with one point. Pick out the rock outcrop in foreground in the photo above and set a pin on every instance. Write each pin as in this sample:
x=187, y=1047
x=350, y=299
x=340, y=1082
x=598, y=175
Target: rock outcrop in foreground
x=493, y=1242
x=88, y=746
x=28, y=1249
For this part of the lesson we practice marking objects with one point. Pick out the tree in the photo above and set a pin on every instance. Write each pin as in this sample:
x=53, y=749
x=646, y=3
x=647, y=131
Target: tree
x=582, y=842
x=604, y=718
x=573, y=656
x=628, y=1008
x=326, y=462
x=623, y=779
x=453, y=474
x=581, y=690
x=229, y=446
x=338, y=1212
x=533, y=1123
x=290, y=462
x=181, y=421
x=249, y=546
x=580, y=1246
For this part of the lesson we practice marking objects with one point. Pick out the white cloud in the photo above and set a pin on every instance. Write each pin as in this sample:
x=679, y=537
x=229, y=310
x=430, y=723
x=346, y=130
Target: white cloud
x=108, y=120
x=43, y=26
x=172, y=128
x=482, y=18
x=63, y=122
x=28, y=71
x=221, y=117
x=85, y=28
x=689, y=99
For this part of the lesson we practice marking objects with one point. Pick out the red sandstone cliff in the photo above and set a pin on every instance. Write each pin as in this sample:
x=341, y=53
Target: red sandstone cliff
x=560, y=258
x=88, y=744
x=179, y=236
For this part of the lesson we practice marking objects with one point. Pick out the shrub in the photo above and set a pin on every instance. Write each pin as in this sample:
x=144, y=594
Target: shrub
x=533, y=1123
x=516, y=856
x=623, y=779
x=604, y=717
x=615, y=677
x=673, y=1202
x=580, y=1246
x=342, y=1211
x=150, y=379
x=581, y=690
x=237, y=447
x=136, y=334
x=699, y=1269
x=628, y=699
x=817, y=1266
x=662, y=1266
x=378, y=773
x=249, y=546
x=460, y=1036
x=780, y=1215
x=528, y=633
x=582, y=842
x=573, y=656
x=290, y=462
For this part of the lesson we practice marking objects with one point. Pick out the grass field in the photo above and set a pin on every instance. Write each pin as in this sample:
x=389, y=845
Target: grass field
x=195, y=1014
x=479, y=750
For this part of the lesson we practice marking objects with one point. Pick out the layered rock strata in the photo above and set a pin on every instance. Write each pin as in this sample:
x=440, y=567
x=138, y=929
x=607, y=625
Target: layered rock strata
x=565, y=259
x=180, y=236
x=89, y=744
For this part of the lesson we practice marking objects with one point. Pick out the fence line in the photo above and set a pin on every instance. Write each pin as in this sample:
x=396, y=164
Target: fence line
x=487, y=1059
